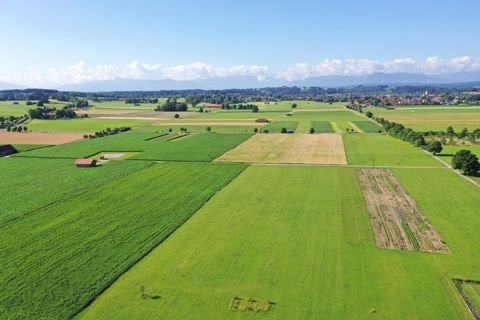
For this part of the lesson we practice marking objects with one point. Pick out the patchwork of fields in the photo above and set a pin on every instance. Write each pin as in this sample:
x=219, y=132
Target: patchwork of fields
x=344, y=223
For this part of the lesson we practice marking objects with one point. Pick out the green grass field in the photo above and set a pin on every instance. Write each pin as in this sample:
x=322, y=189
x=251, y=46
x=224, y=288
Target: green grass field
x=28, y=147
x=423, y=118
x=195, y=147
x=306, y=251
x=7, y=108
x=277, y=126
x=367, y=126
x=322, y=127
x=383, y=150
x=62, y=256
x=83, y=125
x=30, y=184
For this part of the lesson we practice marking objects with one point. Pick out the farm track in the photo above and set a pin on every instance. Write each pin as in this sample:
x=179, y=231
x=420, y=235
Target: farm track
x=451, y=168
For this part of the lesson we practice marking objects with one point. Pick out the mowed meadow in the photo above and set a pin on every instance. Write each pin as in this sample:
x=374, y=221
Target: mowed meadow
x=309, y=250
x=57, y=259
x=207, y=216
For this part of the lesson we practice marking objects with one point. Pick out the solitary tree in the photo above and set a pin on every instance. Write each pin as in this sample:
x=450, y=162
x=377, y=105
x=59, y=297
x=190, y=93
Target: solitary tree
x=435, y=147
x=255, y=109
x=284, y=130
x=369, y=114
x=255, y=130
x=209, y=129
x=294, y=105
x=450, y=131
x=177, y=116
x=312, y=130
x=466, y=162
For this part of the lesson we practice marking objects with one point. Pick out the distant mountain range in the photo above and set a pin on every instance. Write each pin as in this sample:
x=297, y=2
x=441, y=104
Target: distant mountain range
x=245, y=82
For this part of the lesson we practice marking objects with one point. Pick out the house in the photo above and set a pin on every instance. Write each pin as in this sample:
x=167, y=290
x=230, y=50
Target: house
x=86, y=163
x=213, y=105
x=7, y=150
x=262, y=120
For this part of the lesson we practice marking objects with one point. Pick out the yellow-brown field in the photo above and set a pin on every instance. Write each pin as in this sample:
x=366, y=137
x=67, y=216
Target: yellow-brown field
x=284, y=148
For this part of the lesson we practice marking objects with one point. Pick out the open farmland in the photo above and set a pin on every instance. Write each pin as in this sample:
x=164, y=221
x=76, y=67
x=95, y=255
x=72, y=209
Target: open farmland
x=64, y=255
x=286, y=148
x=432, y=118
x=383, y=150
x=397, y=222
x=198, y=147
x=367, y=126
x=84, y=125
x=277, y=126
x=306, y=249
x=31, y=184
x=38, y=137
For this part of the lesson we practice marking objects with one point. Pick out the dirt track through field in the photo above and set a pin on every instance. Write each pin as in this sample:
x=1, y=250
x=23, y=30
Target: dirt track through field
x=38, y=137
x=396, y=220
x=290, y=148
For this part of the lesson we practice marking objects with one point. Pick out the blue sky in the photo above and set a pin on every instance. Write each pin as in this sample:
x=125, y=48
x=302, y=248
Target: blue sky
x=274, y=34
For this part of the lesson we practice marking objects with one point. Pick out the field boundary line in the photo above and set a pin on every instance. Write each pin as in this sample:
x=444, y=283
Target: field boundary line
x=475, y=183
x=167, y=236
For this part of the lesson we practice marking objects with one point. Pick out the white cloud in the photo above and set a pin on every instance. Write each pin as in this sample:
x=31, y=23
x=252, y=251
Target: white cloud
x=81, y=72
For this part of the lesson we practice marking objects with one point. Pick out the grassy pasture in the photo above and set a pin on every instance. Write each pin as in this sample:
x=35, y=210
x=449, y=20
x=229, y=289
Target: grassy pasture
x=58, y=259
x=28, y=147
x=426, y=119
x=197, y=147
x=301, y=105
x=30, y=184
x=322, y=126
x=308, y=249
x=83, y=125
x=7, y=108
x=276, y=126
x=383, y=150
x=367, y=126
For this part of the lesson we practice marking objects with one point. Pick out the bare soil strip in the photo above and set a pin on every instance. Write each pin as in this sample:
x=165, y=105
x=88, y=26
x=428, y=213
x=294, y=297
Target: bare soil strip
x=38, y=137
x=289, y=148
x=396, y=220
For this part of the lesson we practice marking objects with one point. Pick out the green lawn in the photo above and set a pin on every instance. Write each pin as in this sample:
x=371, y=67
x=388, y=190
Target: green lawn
x=84, y=125
x=29, y=184
x=57, y=260
x=367, y=126
x=28, y=147
x=195, y=147
x=322, y=126
x=7, y=108
x=276, y=126
x=383, y=150
x=301, y=238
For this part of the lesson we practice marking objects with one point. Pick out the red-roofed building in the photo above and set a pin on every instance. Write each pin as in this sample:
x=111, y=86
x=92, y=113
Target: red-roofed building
x=213, y=105
x=86, y=163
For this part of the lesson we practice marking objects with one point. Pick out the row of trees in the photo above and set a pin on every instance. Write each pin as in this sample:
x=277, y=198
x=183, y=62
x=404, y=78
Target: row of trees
x=11, y=121
x=240, y=106
x=141, y=100
x=107, y=132
x=49, y=113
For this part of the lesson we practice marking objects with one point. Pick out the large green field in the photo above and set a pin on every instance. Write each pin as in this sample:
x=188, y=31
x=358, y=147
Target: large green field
x=383, y=150
x=195, y=147
x=29, y=184
x=308, y=249
x=84, y=125
x=57, y=260
x=422, y=118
